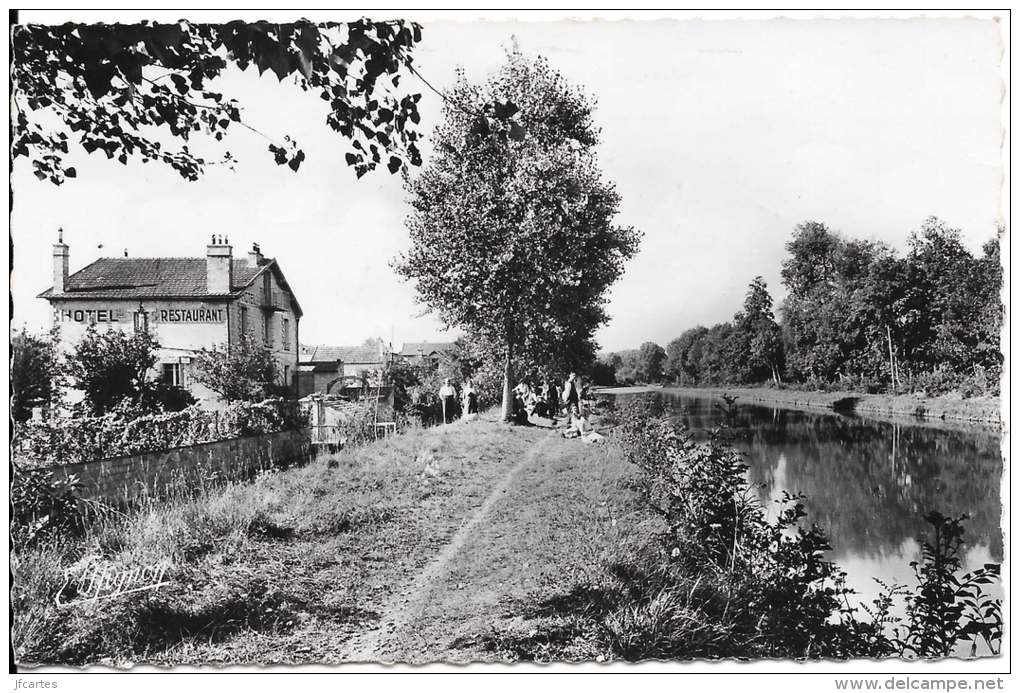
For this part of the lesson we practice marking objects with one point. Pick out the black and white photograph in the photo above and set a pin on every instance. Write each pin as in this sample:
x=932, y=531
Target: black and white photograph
x=537, y=341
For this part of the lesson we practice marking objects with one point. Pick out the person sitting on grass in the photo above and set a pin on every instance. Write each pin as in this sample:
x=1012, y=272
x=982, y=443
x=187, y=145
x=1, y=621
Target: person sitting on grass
x=580, y=428
x=520, y=403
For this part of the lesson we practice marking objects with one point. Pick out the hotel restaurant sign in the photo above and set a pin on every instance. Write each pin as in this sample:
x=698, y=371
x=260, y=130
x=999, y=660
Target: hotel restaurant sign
x=192, y=314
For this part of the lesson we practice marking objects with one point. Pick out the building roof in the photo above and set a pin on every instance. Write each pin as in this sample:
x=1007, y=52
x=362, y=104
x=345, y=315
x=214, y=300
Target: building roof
x=426, y=348
x=161, y=277
x=347, y=354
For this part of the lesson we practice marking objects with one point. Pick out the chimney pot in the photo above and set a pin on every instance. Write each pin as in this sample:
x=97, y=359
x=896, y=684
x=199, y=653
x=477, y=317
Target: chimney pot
x=255, y=255
x=219, y=267
x=61, y=264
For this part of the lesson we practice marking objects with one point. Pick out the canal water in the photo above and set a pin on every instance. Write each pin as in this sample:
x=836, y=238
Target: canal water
x=868, y=483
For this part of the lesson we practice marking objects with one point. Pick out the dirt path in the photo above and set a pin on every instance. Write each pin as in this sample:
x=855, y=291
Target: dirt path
x=551, y=517
x=406, y=605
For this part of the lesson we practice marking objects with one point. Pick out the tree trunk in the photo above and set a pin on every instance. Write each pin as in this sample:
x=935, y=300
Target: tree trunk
x=507, y=378
x=892, y=362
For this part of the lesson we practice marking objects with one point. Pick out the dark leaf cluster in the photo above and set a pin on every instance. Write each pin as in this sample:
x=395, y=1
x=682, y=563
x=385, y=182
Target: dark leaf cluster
x=128, y=90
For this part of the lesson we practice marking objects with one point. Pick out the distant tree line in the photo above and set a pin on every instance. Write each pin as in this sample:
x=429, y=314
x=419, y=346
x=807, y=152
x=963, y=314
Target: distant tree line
x=856, y=316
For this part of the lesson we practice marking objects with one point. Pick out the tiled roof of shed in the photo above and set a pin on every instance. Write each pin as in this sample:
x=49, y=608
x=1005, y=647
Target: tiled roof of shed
x=138, y=277
x=426, y=348
x=347, y=354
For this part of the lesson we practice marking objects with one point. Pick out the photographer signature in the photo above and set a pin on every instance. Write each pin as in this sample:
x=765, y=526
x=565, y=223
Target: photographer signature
x=95, y=582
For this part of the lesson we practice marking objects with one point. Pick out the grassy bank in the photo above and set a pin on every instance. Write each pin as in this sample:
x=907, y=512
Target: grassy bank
x=304, y=564
x=475, y=541
x=979, y=410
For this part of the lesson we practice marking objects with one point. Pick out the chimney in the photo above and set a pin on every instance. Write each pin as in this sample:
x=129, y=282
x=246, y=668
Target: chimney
x=61, y=264
x=218, y=266
x=255, y=255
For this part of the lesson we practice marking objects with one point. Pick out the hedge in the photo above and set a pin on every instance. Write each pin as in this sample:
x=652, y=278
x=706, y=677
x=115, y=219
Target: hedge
x=85, y=439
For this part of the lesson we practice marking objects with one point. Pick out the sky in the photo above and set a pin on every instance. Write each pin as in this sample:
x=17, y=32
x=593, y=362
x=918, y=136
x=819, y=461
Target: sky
x=721, y=137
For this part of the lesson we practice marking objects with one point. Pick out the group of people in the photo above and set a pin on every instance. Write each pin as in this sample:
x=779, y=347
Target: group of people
x=548, y=400
x=454, y=404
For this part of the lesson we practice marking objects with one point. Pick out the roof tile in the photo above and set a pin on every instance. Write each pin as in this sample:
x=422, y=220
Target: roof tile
x=150, y=277
x=347, y=354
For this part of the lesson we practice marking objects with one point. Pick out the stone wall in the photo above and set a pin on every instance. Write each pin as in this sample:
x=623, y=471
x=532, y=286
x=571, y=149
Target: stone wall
x=122, y=479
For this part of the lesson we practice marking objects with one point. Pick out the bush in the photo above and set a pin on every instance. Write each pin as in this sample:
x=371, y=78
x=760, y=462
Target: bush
x=792, y=602
x=358, y=425
x=44, y=505
x=716, y=526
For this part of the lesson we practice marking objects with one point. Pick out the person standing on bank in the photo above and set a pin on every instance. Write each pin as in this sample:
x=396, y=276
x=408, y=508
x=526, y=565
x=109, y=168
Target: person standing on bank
x=470, y=399
x=572, y=397
x=448, y=398
x=552, y=399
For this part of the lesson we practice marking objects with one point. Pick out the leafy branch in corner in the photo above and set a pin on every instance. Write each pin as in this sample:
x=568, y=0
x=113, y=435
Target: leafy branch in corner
x=121, y=89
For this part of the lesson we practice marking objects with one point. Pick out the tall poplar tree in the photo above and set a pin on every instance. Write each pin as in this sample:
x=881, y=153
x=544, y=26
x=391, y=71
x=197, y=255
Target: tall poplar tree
x=511, y=227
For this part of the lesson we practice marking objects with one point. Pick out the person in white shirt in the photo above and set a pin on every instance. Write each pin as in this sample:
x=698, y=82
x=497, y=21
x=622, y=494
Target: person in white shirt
x=447, y=399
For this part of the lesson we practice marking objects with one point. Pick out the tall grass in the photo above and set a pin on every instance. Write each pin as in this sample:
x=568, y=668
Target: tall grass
x=211, y=538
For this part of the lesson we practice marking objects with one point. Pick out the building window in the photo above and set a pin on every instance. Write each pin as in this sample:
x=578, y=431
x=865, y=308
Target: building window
x=172, y=375
x=141, y=322
x=286, y=376
x=244, y=320
x=267, y=330
x=285, y=333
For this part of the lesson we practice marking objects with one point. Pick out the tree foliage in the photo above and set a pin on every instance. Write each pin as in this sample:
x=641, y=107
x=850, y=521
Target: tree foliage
x=875, y=319
x=123, y=89
x=683, y=355
x=243, y=372
x=758, y=347
x=511, y=223
x=651, y=358
x=858, y=316
x=34, y=367
x=602, y=372
x=112, y=368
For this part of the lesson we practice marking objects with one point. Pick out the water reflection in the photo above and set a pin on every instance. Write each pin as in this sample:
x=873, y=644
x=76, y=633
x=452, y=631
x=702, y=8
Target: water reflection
x=868, y=483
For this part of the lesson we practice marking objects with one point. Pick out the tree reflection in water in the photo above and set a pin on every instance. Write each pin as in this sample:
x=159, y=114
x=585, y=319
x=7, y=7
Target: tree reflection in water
x=868, y=482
